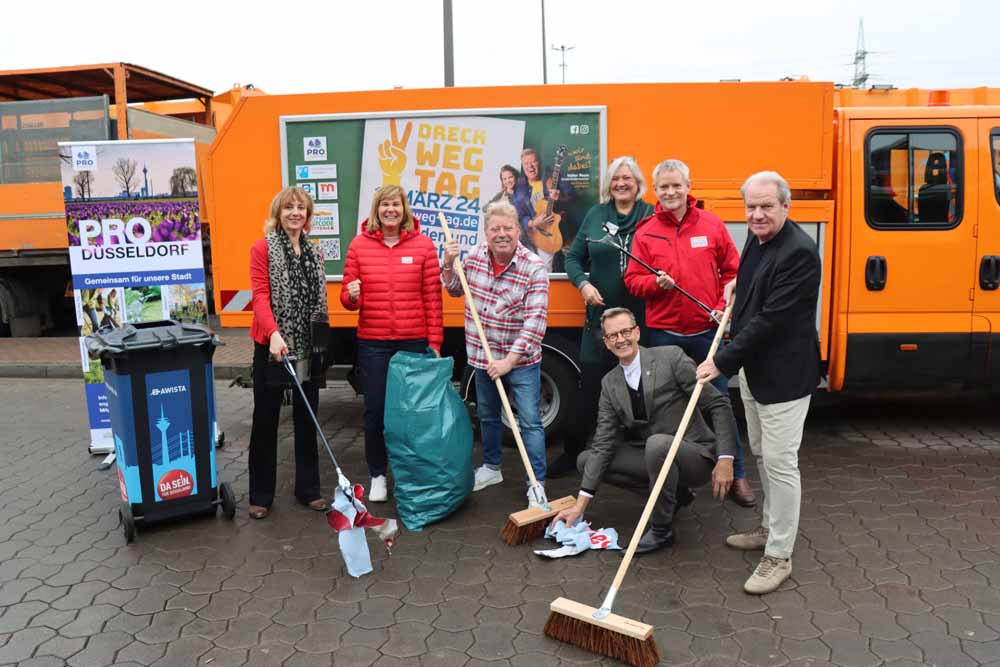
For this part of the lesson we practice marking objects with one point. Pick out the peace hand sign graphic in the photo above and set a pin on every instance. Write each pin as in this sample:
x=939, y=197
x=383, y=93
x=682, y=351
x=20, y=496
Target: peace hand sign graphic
x=392, y=154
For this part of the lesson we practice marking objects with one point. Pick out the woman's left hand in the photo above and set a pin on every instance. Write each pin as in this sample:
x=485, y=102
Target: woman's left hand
x=277, y=346
x=436, y=353
x=591, y=295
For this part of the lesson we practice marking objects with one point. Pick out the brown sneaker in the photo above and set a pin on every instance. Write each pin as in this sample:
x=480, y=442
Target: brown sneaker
x=741, y=493
x=749, y=541
x=771, y=572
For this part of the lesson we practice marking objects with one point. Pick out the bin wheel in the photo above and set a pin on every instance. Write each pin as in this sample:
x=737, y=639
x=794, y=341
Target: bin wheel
x=228, y=500
x=127, y=522
x=220, y=440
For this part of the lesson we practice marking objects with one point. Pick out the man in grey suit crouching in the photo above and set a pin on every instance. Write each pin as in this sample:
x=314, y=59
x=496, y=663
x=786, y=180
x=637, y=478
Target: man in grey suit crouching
x=641, y=406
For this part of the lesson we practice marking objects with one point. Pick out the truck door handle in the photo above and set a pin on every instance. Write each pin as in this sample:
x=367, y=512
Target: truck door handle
x=989, y=272
x=876, y=271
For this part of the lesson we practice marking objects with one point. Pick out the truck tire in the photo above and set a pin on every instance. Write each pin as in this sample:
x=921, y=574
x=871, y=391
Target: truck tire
x=560, y=383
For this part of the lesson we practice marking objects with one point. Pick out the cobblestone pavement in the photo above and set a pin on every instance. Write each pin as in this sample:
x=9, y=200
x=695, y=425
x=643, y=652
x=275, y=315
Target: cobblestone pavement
x=898, y=559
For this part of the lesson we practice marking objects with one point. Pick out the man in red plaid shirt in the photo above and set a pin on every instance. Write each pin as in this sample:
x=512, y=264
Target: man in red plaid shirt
x=510, y=287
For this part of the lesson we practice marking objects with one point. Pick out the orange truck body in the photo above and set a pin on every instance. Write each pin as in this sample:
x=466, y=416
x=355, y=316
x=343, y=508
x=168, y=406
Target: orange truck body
x=139, y=104
x=934, y=320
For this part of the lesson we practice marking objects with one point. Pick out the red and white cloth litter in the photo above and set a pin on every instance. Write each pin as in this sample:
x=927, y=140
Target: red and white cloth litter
x=578, y=538
x=349, y=517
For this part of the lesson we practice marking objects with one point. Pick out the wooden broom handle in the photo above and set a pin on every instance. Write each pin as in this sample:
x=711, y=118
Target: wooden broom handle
x=665, y=468
x=457, y=267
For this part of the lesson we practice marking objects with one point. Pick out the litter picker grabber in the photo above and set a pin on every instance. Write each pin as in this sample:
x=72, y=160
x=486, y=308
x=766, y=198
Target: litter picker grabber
x=606, y=240
x=599, y=630
x=527, y=524
x=347, y=514
x=342, y=481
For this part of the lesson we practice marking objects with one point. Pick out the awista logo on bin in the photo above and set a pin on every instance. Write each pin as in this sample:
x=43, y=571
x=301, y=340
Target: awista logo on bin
x=162, y=391
x=175, y=484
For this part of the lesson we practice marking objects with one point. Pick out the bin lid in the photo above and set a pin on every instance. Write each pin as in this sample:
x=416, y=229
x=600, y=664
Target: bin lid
x=164, y=335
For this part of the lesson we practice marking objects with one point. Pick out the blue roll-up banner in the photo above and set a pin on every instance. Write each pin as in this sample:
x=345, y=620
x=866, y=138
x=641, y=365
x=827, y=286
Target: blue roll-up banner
x=134, y=245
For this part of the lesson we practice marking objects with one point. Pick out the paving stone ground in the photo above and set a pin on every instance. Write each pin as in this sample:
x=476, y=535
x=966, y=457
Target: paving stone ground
x=897, y=561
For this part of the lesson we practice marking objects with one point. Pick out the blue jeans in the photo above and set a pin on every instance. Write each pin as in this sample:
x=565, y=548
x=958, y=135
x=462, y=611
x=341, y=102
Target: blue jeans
x=373, y=365
x=523, y=385
x=697, y=348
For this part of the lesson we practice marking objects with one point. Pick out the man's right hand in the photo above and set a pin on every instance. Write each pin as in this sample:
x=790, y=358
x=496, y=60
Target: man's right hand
x=664, y=281
x=451, y=251
x=573, y=514
x=569, y=516
x=727, y=292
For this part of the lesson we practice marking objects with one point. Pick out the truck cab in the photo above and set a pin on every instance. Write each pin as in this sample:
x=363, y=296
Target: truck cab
x=917, y=250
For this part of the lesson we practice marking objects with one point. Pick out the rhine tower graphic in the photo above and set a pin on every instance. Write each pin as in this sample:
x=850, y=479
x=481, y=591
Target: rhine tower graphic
x=174, y=448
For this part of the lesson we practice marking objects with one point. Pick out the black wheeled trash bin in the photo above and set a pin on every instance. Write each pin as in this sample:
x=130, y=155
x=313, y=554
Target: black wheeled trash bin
x=162, y=402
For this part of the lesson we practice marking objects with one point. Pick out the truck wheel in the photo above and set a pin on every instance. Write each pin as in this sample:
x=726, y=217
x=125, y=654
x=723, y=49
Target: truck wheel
x=228, y=500
x=559, y=384
x=127, y=522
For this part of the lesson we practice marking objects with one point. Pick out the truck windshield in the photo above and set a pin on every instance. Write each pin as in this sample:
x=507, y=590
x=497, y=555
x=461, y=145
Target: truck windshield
x=995, y=146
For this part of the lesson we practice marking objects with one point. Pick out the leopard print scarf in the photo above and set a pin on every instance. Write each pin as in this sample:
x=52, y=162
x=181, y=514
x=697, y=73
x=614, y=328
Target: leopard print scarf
x=298, y=289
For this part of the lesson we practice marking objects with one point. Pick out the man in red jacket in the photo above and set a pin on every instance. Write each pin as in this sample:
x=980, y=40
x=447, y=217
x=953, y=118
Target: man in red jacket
x=692, y=248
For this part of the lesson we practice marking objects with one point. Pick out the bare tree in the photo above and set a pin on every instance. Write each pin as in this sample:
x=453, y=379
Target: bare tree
x=82, y=183
x=124, y=171
x=183, y=181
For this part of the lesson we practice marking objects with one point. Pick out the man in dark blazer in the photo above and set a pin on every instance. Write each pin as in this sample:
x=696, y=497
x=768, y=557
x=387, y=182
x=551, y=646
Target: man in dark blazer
x=642, y=402
x=775, y=349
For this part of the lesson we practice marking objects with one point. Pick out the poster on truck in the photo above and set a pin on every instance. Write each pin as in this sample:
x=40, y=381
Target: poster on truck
x=452, y=162
x=134, y=245
x=442, y=164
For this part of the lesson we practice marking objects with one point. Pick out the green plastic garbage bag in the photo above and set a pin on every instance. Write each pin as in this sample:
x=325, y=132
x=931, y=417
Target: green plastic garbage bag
x=428, y=436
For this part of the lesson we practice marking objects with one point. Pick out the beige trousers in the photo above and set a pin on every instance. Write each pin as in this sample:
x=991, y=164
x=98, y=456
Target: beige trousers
x=775, y=432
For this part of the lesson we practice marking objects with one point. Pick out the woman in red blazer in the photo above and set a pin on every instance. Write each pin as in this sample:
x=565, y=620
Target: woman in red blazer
x=289, y=292
x=392, y=276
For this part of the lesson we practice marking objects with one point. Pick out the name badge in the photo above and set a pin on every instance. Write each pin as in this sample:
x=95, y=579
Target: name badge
x=611, y=228
x=407, y=260
x=699, y=241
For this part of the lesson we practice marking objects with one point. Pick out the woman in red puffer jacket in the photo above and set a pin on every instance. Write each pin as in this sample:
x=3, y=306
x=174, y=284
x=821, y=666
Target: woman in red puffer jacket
x=392, y=276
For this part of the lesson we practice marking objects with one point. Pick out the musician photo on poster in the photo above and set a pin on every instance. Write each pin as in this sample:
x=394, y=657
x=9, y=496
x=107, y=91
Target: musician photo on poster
x=540, y=197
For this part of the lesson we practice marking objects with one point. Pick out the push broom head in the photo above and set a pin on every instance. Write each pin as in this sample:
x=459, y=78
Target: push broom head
x=529, y=524
x=513, y=534
x=615, y=636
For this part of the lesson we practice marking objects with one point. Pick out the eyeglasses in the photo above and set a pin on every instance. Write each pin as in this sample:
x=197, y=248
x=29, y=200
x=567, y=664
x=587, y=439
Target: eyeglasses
x=622, y=333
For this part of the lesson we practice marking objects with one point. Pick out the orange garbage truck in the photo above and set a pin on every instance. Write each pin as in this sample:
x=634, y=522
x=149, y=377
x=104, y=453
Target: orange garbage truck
x=899, y=189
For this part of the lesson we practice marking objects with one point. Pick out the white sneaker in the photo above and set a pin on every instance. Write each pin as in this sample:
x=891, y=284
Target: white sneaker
x=770, y=574
x=486, y=477
x=379, y=492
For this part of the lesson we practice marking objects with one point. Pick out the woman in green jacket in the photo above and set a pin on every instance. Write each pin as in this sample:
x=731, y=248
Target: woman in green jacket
x=596, y=270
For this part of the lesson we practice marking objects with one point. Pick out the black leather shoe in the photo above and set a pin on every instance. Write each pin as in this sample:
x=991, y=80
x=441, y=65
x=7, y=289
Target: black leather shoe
x=655, y=539
x=561, y=467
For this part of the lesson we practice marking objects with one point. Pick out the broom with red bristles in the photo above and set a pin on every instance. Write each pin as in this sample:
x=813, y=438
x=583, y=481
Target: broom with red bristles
x=598, y=630
x=530, y=523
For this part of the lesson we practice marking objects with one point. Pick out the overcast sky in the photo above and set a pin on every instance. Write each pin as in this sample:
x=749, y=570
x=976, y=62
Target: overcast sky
x=307, y=46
